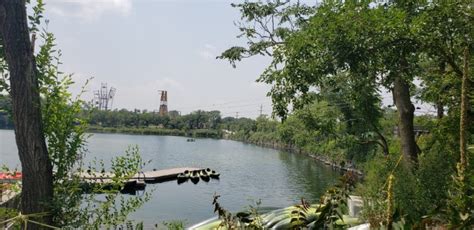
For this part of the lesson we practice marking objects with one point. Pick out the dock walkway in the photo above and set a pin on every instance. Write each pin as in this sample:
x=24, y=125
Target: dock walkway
x=137, y=181
x=149, y=176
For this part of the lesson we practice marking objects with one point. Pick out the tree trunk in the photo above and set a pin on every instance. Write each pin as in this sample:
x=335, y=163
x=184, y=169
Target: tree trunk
x=37, y=181
x=406, y=110
x=439, y=110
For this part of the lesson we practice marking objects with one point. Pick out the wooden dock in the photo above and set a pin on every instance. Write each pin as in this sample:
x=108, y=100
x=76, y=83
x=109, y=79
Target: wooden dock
x=106, y=179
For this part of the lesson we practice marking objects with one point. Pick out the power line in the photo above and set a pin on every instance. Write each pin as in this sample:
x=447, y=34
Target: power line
x=220, y=104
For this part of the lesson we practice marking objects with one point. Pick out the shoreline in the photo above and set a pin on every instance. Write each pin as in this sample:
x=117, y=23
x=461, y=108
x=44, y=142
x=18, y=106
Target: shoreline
x=295, y=150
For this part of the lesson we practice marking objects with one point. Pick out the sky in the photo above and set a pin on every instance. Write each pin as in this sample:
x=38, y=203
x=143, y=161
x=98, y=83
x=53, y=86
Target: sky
x=142, y=46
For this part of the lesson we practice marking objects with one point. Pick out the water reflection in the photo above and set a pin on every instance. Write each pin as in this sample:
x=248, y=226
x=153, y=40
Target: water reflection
x=309, y=175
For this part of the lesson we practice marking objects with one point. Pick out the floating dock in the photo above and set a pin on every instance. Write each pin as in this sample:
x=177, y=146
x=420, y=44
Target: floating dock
x=148, y=176
x=106, y=179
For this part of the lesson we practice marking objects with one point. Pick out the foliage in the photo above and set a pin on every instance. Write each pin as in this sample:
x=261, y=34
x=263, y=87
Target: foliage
x=228, y=220
x=6, y=121
x=173, y=225
x=266, y=25
x=146, y=119
x=333, y=202
x=110, y=209
x=460, y=211
x=343, y=54
x=64, y=131
x=66, y=140
x=328, y=214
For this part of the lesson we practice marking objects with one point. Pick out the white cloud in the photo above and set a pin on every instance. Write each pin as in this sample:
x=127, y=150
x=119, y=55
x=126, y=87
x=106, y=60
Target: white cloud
x=168, y=83
x=208, y=52
x=88, y=10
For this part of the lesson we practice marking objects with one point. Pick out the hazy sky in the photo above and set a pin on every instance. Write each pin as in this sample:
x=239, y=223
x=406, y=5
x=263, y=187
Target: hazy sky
x=141, y=46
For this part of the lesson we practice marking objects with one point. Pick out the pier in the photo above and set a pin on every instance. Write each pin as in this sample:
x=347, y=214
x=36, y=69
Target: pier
x=106, y=179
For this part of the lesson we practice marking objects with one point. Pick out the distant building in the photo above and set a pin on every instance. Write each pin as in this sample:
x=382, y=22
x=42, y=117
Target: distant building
x=419, y=130
x=173, y=113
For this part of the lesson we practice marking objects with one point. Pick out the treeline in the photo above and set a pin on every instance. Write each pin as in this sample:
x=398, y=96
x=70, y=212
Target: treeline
x=320, y=129
x=6, y=121
x=198, y=124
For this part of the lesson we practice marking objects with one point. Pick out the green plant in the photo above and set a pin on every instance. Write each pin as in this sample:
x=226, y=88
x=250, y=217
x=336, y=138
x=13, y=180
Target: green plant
x=334, y=202
x=228, y=220
x=65, y=132
x=173, y=224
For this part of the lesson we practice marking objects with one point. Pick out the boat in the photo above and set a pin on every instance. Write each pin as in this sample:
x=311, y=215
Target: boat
x=182, y=177
x=204, y=176
x=269, y=217
x=214, y=174
x=194, y=177
x=10, y=177
x=191, y=140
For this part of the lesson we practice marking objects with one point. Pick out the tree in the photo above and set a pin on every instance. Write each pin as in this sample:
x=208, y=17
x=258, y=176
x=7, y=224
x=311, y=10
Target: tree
x=17, y=49
x=371, y=44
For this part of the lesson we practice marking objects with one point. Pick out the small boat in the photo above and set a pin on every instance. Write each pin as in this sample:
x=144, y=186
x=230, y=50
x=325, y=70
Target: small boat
x=204, y=176
x=10, y=177
x=194, y=177
x=182, y=177
x=191, y=140
x=214, y=174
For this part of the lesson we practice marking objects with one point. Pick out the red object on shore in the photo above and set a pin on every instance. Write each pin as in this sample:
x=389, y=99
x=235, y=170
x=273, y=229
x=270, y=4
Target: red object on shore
x=10, y=176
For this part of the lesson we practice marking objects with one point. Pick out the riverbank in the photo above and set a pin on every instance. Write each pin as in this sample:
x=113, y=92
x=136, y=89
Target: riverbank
x=335, y=165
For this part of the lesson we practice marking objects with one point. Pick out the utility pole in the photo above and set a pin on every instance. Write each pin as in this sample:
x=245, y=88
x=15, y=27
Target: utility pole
x=261, y=110
x=236, y=115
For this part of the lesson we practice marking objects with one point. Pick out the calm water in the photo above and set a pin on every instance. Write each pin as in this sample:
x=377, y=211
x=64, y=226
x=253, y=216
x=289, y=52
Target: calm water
x=247, y=172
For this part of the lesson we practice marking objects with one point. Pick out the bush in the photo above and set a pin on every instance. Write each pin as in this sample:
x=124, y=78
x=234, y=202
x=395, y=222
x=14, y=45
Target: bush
x=407, y=192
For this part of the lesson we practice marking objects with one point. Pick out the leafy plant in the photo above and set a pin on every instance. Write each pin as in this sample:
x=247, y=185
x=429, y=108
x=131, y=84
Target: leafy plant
x=65, y=133
x=173, y=225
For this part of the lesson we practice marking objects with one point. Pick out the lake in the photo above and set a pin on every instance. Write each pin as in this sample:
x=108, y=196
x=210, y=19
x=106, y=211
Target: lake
x=248, y=173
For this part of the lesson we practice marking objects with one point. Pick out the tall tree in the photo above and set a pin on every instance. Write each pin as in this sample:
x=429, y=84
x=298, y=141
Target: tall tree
x=371, y=44
x=37, y=182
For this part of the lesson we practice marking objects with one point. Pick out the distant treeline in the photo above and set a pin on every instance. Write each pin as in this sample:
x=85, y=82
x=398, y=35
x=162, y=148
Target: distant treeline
x=197, y=124
x=6, y=121
x=319, y=128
